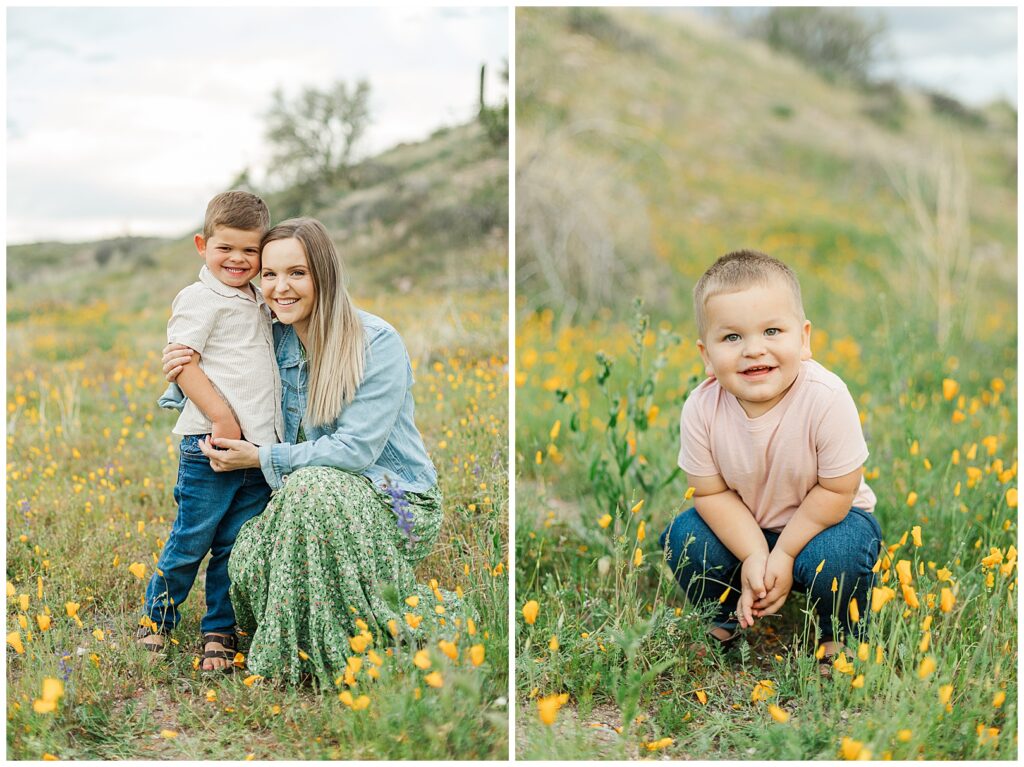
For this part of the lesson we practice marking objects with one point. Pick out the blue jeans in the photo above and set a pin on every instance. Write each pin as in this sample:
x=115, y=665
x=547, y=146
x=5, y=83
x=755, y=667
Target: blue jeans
x=704, y=568
x=212, y=507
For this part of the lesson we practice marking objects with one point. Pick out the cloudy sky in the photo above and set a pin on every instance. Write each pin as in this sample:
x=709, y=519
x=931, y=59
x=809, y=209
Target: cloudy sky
x=969, y=53
x=126, y=120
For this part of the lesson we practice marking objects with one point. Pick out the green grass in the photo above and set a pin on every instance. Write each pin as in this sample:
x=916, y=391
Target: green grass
x=91, y=467
x=597, y=404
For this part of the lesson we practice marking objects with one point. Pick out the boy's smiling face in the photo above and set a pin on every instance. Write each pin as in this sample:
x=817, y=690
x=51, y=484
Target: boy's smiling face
x=231, y=255
x=754, y=342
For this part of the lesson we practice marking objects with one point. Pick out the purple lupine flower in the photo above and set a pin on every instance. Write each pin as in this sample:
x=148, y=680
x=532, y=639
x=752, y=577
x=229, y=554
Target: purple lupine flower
x=402, y=511
x=65, y=669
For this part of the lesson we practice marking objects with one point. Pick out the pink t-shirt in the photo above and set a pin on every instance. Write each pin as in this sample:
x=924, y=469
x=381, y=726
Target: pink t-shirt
x=774, y=460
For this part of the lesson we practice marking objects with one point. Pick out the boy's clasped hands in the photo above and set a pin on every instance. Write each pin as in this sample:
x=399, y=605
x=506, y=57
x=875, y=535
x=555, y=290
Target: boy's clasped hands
x=766, y=580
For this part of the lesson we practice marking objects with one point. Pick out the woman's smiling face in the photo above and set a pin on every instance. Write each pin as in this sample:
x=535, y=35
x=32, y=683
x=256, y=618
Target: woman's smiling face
x=287, y=283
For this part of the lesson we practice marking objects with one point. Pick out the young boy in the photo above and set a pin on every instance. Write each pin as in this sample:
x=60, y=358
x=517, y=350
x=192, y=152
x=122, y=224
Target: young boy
x=772, y=444
x=233, y=392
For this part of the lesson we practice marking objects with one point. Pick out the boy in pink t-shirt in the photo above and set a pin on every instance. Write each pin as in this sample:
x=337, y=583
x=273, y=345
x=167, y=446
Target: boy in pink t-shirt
x=772, y=445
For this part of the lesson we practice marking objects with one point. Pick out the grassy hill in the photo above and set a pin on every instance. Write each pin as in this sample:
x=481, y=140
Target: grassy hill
x=648, y=144
x=431, y=218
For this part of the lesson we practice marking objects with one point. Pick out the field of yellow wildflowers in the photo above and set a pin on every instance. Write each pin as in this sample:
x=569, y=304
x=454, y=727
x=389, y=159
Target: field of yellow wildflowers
x=611, y=660
x=91, y=465
x=605, y=635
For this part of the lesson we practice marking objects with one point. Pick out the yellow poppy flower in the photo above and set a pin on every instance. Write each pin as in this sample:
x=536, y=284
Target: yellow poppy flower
x=476, y=654
x=14, y=640
x=449, y=649
x=926, y=668
x=530, y=610
x=547, y=708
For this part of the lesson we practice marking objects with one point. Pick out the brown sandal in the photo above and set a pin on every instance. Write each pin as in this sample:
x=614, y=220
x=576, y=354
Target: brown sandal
x=230, y=644
x=146, y=631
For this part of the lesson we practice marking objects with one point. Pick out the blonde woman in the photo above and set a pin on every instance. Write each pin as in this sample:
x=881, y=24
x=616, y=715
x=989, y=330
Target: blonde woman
x=355, y=501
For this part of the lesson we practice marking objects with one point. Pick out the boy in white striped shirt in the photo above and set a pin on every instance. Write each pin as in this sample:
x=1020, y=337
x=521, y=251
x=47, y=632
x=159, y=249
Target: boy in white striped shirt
x=234, y=391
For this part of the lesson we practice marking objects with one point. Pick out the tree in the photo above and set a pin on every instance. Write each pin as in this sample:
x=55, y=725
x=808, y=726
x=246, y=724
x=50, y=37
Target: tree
x=837, y=42
x=315, y=135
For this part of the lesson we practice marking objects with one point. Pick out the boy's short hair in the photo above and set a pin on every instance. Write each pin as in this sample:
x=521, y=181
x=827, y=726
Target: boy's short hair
x=237, y=210
x=739, y=270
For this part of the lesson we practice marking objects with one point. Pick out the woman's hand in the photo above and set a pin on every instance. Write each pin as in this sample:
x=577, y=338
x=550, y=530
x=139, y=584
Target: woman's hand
x=175, y=358
x=233, y=454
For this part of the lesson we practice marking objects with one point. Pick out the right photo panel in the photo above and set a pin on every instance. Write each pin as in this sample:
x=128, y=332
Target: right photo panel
x=766, y=383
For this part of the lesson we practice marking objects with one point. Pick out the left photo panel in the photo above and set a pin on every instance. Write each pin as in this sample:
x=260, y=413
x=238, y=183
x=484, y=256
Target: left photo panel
x=257, y=384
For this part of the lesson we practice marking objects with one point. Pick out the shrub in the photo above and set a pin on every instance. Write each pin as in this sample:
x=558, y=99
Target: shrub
x=839, y=43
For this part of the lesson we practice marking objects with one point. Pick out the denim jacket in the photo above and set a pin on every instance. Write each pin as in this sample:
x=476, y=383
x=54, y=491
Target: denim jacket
x=374, y=435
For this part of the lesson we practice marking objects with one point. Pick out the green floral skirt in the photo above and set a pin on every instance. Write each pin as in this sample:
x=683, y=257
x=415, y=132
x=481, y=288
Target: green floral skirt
x=330, y=558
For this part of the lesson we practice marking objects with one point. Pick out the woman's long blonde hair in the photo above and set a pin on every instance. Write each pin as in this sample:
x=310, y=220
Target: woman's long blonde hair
x=335, y=334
